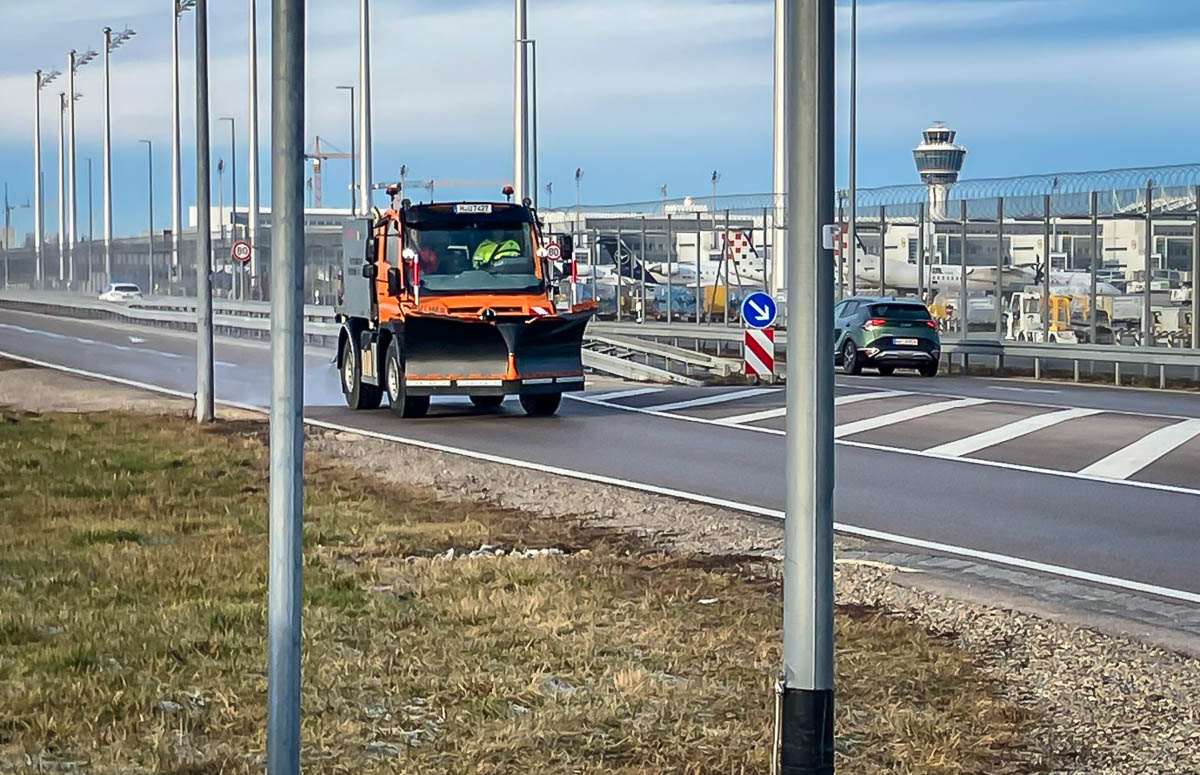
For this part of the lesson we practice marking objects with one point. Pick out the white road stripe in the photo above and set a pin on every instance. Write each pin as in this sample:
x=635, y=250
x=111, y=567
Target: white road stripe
x=720, y=398
x=765, y=414
x=854, y=398
x=884, y=420
x=749, y=508
x=626, y=394
x=1127, y=461
x=1013, y=430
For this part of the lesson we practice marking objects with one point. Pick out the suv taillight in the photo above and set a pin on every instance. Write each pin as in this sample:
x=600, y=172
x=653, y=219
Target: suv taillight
x=932, y=324
x=874, y=323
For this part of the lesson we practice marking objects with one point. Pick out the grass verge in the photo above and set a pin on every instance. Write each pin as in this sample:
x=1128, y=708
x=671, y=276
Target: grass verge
x=132, y=632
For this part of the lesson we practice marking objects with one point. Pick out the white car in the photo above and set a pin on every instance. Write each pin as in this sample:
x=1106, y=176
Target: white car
x=121, y=293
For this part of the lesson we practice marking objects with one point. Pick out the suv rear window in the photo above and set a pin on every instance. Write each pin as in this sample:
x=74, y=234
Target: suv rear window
x=899, y=312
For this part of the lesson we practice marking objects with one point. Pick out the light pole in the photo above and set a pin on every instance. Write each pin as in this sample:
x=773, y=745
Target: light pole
x=852, y=200
x=353, y=155
x=62, y=191
x=233, y=194
x=178, y=8
x=520, y=105
x=8, y=208
x=779, y=153
x=252, y=154
x=42, y=80
x=74, y=62
x=534, y=110
x=204, y=322
x=285, y=548
x=91, y=228
x=150, y=201
x=111, y=44
x=364, y=106
x=805, y=690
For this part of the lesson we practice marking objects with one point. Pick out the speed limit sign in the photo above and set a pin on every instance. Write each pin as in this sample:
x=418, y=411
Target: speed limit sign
x=241, y=251
x=553, y=251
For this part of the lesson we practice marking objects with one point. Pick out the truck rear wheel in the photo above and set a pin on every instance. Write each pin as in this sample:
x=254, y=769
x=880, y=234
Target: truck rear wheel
x=541, y=404
x=402, y=404
x=358, y=395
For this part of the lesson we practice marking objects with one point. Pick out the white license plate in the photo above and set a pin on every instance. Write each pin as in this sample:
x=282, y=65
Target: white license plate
x=904, y=342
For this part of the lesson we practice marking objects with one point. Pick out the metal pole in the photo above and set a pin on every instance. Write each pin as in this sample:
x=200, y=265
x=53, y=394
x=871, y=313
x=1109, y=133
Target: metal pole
x=641, y=268
x=7, y=228
x=921, y=251
x=252, y=214
x=670, y=254
x=840, y=290
x=1196, y=271
x=999, y=267
x=725, y=259
x=521, y=105
x=354, y=155
x=150, y=232
x=287, y=388
x=617, y=262
x=1094, y=207
x=699, y=282
x=1147, y=308
x=108, y=156
x=779, y=150
x=204, y=322
x=233, y=200
x=594, y=262
x=176, y=173
x=91, y=228
x=364, y=108
x=806, y=686
x=534, y=100
x=962, y=276
x=62, y=193
x=72, y=219
x=1046, y=269
x=853, y=193
x=38, y=213
x=882, y=250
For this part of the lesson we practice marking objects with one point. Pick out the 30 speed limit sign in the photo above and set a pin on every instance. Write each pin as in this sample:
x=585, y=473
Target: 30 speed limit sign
x=241, y=251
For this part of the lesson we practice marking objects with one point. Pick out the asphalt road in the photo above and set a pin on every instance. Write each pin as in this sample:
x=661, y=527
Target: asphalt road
x=1111, y=490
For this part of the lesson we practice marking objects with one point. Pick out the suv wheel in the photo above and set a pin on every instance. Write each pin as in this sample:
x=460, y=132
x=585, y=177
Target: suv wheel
x=850, y=362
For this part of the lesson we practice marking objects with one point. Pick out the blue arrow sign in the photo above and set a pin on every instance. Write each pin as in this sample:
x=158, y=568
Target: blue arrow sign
x=758, y=310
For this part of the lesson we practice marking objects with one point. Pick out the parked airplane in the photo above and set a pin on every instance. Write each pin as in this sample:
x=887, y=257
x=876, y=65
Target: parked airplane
x=902, y=276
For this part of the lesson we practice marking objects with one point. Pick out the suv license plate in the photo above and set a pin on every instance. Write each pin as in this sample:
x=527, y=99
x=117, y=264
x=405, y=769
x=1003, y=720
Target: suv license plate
x=905, y=342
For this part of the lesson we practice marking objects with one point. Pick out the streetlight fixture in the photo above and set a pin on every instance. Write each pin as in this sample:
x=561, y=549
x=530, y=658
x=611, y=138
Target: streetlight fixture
x=150, y=200
x=111, y=43
x=39, y=201
x=353, y=154
x=179, y=7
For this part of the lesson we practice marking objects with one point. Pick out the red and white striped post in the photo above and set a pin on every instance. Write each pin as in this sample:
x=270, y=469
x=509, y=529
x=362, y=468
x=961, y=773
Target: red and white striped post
x=759, y=353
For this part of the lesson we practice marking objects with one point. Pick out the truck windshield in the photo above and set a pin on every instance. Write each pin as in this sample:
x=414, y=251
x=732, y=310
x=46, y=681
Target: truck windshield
x=470, y=257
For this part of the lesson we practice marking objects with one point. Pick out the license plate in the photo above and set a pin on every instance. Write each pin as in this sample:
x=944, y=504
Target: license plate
x=904, y=342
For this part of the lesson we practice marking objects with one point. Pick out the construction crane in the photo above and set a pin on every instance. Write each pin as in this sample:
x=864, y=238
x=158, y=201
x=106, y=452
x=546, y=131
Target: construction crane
x=319, y=157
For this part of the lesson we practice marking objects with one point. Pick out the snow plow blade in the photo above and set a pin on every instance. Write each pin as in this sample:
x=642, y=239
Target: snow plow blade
x=442, y=347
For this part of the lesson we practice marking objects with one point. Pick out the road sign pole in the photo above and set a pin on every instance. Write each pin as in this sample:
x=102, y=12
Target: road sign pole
x=204, y=321
x=805, y=716
x=287, y=388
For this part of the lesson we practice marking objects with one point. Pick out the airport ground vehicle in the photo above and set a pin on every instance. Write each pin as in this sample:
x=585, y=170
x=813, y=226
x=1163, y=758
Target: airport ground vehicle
x=121, y=292
x=454, y=299
x=1025, y=318
x=885, y=334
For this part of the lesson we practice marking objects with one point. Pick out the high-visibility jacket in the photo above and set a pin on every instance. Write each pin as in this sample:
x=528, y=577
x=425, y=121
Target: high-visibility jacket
x=489, y=251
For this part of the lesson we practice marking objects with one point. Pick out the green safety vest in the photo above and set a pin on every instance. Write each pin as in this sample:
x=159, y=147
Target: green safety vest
x=490, y=250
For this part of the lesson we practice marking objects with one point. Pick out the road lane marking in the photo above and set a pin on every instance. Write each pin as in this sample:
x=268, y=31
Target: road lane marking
x=627, y=393
x=770, y=414
x=1127, y=461
x=748, y=508
x=884, y=420
x=1013, y=430
x=854, y=398
x=720, y=398
x=1023, y=390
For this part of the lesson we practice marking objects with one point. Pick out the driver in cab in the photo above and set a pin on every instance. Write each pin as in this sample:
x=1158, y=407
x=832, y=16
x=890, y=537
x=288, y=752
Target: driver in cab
x=491, y=250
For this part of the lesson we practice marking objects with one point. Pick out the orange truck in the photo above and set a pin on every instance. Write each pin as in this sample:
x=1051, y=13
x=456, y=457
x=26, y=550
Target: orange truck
x=455, y=299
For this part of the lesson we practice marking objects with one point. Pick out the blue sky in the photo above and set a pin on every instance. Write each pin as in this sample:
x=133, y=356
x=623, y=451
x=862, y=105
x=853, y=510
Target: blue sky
x=636, y=93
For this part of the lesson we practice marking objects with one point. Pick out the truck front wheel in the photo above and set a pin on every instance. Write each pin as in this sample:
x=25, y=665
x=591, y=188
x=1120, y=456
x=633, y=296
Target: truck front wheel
x=403, y=405
x=541, y=404
x=358, y=395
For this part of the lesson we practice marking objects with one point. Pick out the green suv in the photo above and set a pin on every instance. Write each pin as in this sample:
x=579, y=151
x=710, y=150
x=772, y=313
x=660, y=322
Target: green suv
x=885, y=334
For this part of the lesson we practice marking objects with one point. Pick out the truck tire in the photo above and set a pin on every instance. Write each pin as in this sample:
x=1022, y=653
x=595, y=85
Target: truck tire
x=358, y=395
x=487, y=402
x=402, y=404
x=541, y=404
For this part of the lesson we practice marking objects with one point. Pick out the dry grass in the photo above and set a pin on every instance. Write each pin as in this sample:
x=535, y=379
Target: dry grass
x=132, y=588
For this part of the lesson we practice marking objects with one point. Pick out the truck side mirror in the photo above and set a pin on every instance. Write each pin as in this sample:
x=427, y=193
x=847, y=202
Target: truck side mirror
x=393, y=281
x=370, y=271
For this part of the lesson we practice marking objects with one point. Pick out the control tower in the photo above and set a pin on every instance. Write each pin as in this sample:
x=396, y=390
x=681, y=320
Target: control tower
x=939, y=161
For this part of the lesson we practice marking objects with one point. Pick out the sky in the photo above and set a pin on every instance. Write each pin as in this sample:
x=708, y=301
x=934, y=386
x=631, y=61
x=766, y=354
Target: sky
x=638, y=93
